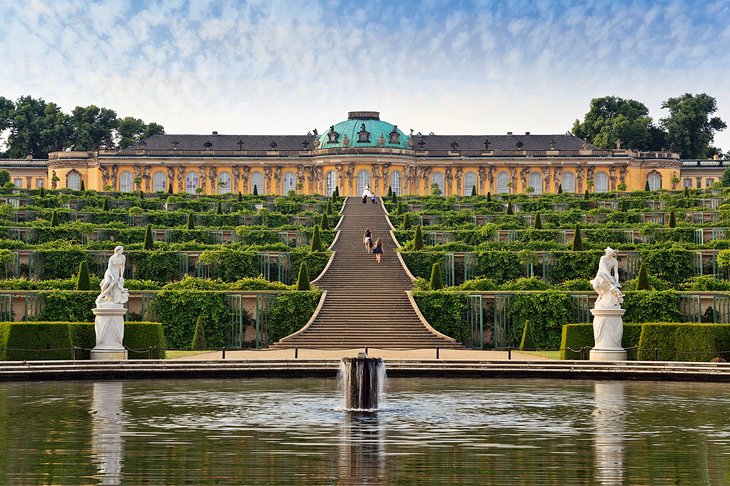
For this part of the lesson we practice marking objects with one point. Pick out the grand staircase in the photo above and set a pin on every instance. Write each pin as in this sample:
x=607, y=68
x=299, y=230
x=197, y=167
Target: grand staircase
x=366, y=303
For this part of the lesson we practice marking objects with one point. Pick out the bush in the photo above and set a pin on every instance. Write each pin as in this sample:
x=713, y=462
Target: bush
x=290, y=312
x=178, y=311
x=481, y=284
x=436, y=282
x=652, y=306
x=528, y=340
x=643, y=279
x=83, y=282
x=198, y=343
x=548, y=311
x=418, y=239
x=149, y=242
x=303, y=277
x=522, y=283
x=577, y=336
x=446, y=312
x=316, y=240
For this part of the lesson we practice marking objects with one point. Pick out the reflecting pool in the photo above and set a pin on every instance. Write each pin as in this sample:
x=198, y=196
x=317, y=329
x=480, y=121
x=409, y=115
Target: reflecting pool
x=427, y=431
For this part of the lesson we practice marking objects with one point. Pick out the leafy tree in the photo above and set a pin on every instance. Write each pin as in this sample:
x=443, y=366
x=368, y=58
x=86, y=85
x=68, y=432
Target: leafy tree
x=4, y=177
x=643, y=280
x=690, y=127
x=36, y=128
x=725, y=178
x=130, y=131
x=6, y=109
x=316, y=239
x=611, y=118
x=92, y=127
x=436, y=282
x=149, y=242
x=418, y=239
x=83, y=282
x=303, y=278
x=577, y=239
x=198, y=343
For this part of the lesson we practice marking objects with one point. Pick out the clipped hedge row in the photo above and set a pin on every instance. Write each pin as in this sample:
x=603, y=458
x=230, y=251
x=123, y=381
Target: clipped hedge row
x=672, y=341
x=26, y=341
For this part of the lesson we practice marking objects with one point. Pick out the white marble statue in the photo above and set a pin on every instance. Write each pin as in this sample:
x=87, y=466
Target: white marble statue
x=606, y=282
x=113, y=293
x=608, y=326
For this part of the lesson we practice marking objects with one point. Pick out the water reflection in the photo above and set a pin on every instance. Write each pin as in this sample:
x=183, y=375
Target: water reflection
x=107, y=443
x=608, y=437
x=362, y=450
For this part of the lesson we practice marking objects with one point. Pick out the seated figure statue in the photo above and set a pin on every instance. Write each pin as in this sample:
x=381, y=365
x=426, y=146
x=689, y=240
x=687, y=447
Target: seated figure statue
x=113, y=293
x=606, y=282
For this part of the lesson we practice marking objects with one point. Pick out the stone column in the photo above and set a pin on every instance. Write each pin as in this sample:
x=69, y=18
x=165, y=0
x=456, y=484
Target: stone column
x=608, y=330
x=109, y=326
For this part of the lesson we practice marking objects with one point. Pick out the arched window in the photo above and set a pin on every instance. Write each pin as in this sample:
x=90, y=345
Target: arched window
x=600, y=182
x=257, y=181
x=502, y=183
x=470, y=182
x=330, y=183
x=568, y=182
x=438, y=179
x=655, y=181
x=73, y=180
x=224, y=183
x=363, y=179
x=159, y=181
x=395, y=182
x=126, y=181
x=192, y=182
x=288, y=183
x=536, y=182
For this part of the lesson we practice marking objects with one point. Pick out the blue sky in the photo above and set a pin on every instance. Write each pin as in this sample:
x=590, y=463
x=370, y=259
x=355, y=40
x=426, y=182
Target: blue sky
x=286, y=67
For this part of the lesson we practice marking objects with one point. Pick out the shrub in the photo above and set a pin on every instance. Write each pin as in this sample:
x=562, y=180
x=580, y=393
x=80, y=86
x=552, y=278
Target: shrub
x=445, y=311
x=548, y=311
x=316, y=239
x=325, y=222
x=178, y=311
x=672, y=219
x=436, y=282
x=577, y=336
x=577, y=239
x=198, y=343
x=83, y=282
x=54, y=218
x=191, y=221
x=406, y=222
x=528, y=340
x=706, y=283
x=303, y=278
x=290, y=312
x=522, y=283
x=538, y=222
x=510, y=210
x=683, y=342
x=481, y=284
x=652, y=306
x=149, y=242
x=643, y=280
x=418, y=239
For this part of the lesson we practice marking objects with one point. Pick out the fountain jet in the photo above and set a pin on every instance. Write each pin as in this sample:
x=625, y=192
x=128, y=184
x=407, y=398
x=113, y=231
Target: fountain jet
x=362, y=379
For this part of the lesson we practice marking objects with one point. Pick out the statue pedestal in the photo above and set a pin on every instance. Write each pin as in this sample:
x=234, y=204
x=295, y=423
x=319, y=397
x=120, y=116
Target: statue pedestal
x=608, y=329
x=109, y=327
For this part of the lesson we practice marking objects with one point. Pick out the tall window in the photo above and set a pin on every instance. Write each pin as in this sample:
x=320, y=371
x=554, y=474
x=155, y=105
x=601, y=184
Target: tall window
x=289, y=183
x=568, y=182
x=536, y=182
x=502, y=183
x=224, y=183
x=257, y=181
x=73, y=181
x=438, y=179
x=470, y=182
x=655, y=181
x=601, y=182
x=363, y=179
x=126, y=181
x=192, y=182
x=395, y=182
x=159, y=181
x=330, y=183
x=18, y=182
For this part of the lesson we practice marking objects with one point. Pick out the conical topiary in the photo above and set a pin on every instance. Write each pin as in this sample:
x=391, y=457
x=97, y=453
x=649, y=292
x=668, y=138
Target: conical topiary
x=406, y=221
x=240, y=196
x=672, y=219
x=149, y=242
x=418, y=239
x=398, y=208
x=560, y=188
x=325, y=222
x=509, y=208
x=646, y=185
x=586, y=195
x=473, y=190
x=316, y=239
x=577, y=239
x=538, y=222
x=54, y=218
x=42, y=192
x=105, y=206
x=394, y=198
x=686, y=191
x=643, y=281
x=219, y=208
x=198, y=343
x=169, y=187
x=489, y=196
x=191, y=221
x=141, y=194
x=337, y=191
x=390, y=191
x=329, y=206
x=436, y=282
x=82, y=187
x=303, y=278
x=83, y=282
x=528, y=339
x=255, y=190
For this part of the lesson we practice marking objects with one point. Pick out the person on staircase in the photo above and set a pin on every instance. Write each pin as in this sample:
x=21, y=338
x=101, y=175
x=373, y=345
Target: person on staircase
x=378, y=250
x=372, y=197
x=366, y=194
x=368, y=240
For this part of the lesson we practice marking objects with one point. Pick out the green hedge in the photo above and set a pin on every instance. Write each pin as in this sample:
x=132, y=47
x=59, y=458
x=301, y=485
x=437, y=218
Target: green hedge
x=178, y=310
x=547, y=312
x=674, y=341
x=446, y=312
x=290, y=312
x=26, y=341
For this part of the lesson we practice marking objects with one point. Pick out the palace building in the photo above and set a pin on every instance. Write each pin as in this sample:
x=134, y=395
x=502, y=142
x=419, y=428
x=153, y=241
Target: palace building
x=361, y=151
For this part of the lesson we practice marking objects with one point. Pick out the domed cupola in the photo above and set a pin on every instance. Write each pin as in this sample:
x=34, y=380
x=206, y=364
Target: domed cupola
x=363, y=129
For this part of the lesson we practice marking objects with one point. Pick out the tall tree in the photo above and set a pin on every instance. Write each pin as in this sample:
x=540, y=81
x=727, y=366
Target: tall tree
x=92, y=127
x=690, y=129
x=612, y=118
x=131, y=131
x=36, y=128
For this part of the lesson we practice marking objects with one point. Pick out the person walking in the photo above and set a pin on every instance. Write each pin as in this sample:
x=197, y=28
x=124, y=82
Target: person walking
x=372, y=197
x=378, y=250
x=368, y=240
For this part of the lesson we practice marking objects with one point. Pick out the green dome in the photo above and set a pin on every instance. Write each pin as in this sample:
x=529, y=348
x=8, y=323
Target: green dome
x=363, y=129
